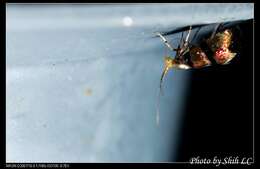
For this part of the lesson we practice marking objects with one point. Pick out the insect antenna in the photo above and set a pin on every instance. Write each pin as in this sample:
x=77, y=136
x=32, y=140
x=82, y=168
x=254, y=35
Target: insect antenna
x=160, y=91
x=166, y=69
x=158, y=109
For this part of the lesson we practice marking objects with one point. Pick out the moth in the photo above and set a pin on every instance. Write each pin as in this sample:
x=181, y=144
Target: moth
x=191, y=56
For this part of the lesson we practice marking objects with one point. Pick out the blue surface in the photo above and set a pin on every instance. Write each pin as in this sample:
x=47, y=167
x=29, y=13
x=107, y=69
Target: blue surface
x=82, y=85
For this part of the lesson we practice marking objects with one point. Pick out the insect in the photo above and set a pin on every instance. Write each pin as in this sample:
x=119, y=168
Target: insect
x=191, y=56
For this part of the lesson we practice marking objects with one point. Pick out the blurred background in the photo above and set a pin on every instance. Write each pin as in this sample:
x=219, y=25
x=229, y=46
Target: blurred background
x=82, y=84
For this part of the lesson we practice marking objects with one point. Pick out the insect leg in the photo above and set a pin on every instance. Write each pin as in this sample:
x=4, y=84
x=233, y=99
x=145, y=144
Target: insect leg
x=185, y=45
x=187, y=37
x=165, y=41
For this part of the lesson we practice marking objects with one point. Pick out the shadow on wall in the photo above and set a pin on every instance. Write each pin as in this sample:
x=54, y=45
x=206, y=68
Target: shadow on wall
x=218, y=118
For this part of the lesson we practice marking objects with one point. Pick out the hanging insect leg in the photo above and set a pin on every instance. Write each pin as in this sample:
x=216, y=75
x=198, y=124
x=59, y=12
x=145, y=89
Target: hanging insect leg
x=165, y=41
x=184, y=46
x=187, y=38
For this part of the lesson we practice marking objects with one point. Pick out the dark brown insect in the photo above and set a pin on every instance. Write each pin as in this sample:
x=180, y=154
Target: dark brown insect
x=189, y=56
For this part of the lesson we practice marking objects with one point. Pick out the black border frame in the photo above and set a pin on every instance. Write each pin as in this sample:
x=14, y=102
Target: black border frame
x=3, y=92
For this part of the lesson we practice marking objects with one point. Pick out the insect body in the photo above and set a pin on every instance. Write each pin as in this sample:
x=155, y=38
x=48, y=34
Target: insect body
x=198, y=58
x=219, y=45
x=189, y=56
